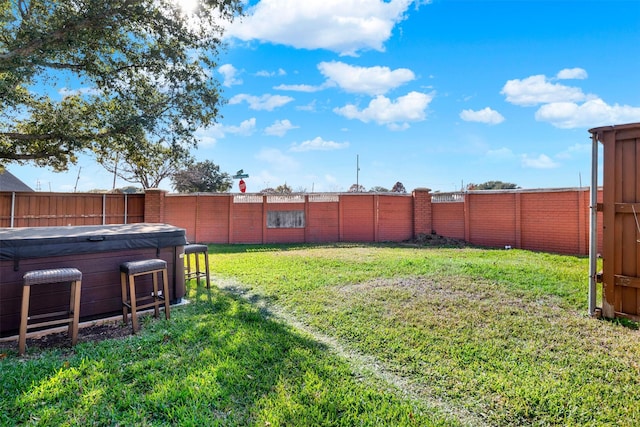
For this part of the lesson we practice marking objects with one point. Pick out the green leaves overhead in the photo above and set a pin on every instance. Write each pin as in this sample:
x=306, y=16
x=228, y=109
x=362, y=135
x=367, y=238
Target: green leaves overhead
x=106, y=76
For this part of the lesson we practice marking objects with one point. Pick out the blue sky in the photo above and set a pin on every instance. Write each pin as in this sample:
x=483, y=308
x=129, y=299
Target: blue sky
x=432, y=94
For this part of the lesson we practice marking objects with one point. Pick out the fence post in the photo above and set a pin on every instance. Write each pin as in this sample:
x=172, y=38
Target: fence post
x=154, y=200
x=518, y=220
x=422, y=212
x=13, y=207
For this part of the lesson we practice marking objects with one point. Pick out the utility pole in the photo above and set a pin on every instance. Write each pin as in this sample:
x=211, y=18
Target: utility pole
x=75, y=187
x=358, y=173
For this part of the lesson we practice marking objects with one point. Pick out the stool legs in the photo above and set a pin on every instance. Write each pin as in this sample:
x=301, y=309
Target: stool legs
x=206, y=267
x=131, y=302
x=123, y=290
x=22, y=341
x=189, y=266
x=72, y=316
x=132, y=298
x=165, y=294
x=74, y=307
x=198, y=273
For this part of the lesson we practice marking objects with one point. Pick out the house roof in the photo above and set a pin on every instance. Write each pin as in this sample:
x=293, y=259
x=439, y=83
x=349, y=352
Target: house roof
x=8, y=182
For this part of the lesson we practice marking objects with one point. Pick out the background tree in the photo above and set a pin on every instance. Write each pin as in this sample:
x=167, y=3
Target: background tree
x=130, y=190
x=378, y=189
x=492, y=185
x=356, y=188
x=283, y=189
x=148, y=164
x=143, y=71
x=201, y=177
x=398, y=187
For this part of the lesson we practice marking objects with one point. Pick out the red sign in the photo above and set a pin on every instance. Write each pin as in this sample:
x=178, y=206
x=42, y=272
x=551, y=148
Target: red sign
x=242, y=185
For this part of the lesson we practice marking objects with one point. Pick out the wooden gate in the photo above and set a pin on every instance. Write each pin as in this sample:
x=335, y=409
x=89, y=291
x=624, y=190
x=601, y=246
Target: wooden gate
x=621, y=220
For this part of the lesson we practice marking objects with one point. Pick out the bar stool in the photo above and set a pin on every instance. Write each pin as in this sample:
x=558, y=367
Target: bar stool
x=198, y=273
x=128, y=272
x=45, y=277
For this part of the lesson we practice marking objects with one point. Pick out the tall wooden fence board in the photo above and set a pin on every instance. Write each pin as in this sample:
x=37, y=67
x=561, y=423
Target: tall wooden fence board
x=621, y=219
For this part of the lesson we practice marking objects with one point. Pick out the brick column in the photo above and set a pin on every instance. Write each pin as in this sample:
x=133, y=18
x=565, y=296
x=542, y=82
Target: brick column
x=422, y=214
x=154, y=205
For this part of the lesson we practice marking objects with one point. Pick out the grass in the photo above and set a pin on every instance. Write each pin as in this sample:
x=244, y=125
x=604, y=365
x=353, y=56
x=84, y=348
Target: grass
x=350, y=335
x=501, y=335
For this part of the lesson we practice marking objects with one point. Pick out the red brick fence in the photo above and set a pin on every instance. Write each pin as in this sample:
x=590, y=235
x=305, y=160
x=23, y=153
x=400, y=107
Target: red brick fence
x=552, y=220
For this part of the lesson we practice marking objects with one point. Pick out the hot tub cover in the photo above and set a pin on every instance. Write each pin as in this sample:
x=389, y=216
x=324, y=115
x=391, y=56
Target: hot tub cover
x=35, y=242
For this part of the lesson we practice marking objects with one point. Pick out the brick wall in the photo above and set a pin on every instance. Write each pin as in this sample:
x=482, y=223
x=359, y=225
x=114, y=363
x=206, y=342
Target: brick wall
x=448, y=219
x=554, y=220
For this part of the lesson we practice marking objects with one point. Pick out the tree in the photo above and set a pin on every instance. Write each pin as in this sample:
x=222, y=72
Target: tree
x=398, y=187
x=202, y=177
x=283, y=189
x=378, y=189
x=148, y=165
x=356, y=188
x=143, y=70
x=130, y=190
x=492, y=185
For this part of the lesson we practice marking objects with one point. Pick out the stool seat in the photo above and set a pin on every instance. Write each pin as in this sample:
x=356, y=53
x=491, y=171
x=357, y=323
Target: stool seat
x=53, y=275
x=196, y=250
x=71, y=316
x=128, y=272
x=137, y=267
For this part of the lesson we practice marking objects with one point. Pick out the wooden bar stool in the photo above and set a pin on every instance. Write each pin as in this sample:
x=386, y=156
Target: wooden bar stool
x=44, y=277
x=128, y=272
x=196, y=250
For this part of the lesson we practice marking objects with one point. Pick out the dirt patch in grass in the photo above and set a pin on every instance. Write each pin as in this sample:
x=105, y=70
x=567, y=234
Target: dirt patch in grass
x=93, y=332
x=434, y=239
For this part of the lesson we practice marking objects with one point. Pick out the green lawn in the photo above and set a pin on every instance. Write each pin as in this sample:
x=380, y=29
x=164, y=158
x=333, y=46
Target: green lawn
x=350, y=335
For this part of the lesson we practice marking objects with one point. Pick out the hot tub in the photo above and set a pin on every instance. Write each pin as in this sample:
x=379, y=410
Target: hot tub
x=97, y=251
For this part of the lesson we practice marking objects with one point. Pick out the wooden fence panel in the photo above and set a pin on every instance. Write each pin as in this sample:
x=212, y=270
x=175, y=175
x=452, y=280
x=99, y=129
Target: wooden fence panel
x=621, y=218
x=40, y=209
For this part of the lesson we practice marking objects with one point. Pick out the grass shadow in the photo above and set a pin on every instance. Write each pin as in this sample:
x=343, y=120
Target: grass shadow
x=218, y=361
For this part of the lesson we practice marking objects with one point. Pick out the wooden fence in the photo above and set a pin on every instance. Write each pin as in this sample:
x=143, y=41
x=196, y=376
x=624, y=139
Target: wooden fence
x=35, y=209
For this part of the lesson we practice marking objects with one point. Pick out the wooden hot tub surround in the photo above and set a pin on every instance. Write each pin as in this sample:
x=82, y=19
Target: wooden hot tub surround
x=98, y=252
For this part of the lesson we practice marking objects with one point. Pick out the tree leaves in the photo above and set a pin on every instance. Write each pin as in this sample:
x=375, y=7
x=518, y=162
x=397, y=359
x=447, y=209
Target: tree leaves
x=201, y=177
x=144, y=70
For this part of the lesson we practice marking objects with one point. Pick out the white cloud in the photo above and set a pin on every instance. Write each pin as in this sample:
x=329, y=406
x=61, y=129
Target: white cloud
x=572, y=73
x=501, y=154
x=210, y=135
x=65, y=91
x=567, y=107
x=318, y=144
x=369, y=80
x=246, y=128
x=265, y=73
x=486, y=115
x=382, y=110
x=276, y=159
x=229, y=73
x=309, y=107
x=593, y=113
x=266, y=102
x=541, y=162
x=580, y=149
x=279, y=128
x=538, y=89
x=342, y=26
x=300, y=88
